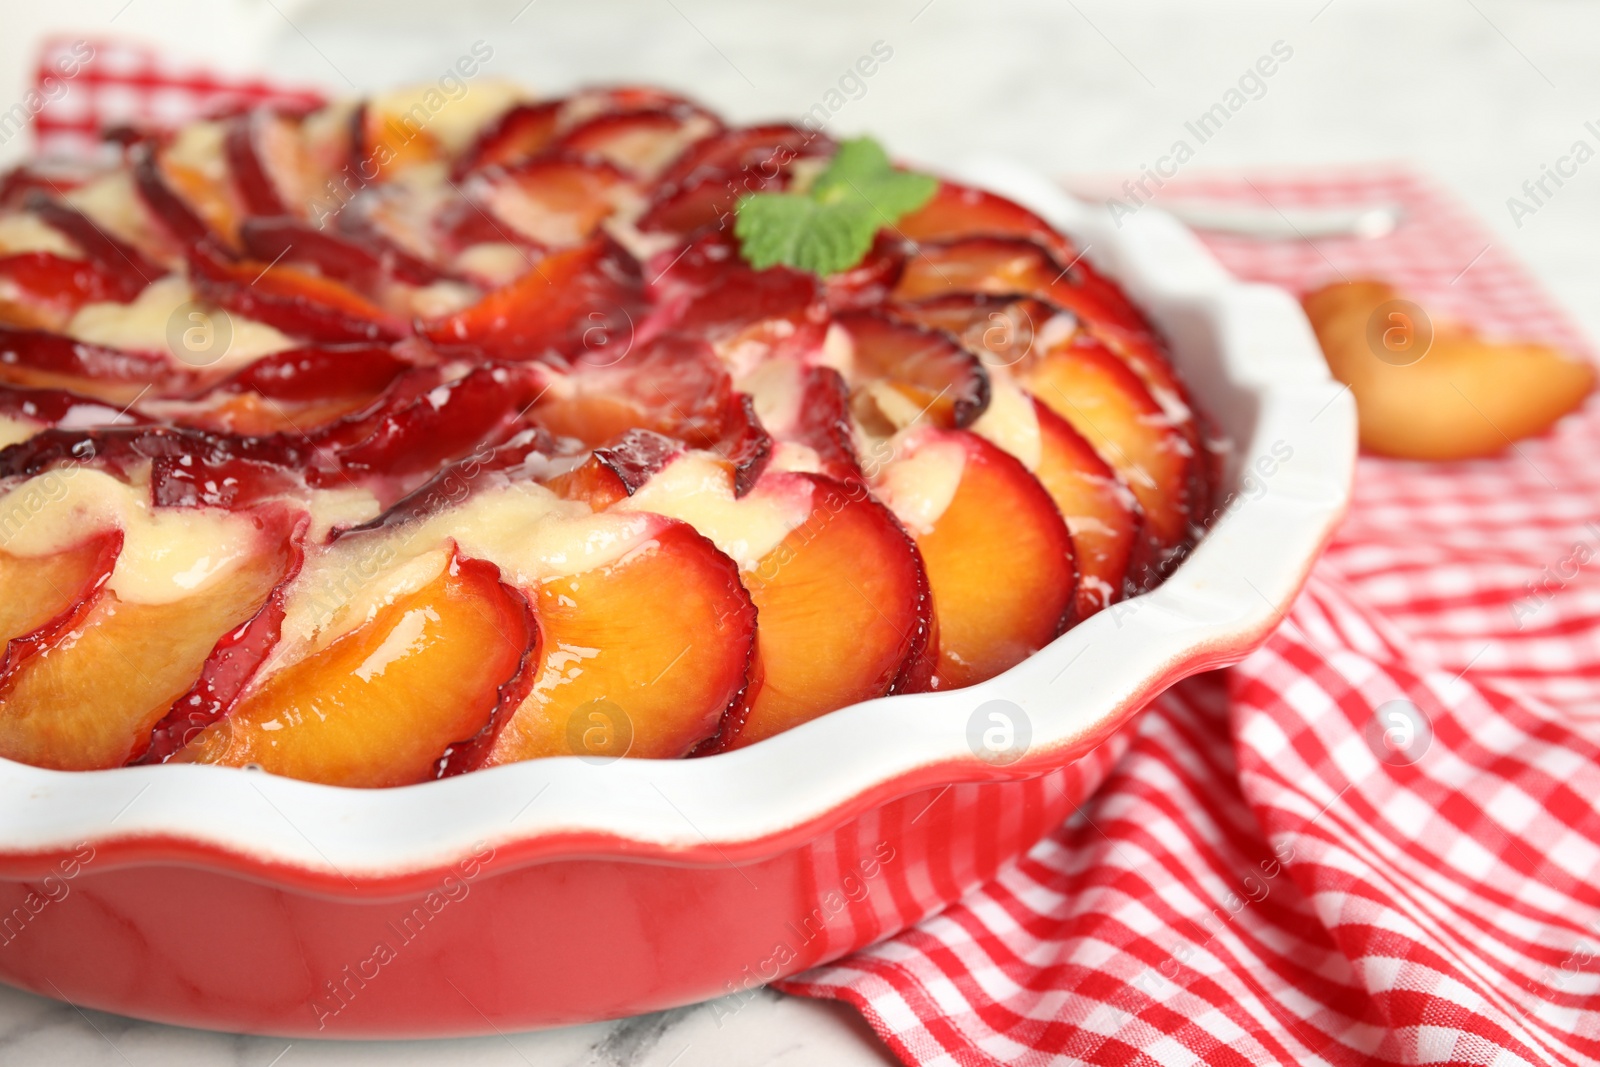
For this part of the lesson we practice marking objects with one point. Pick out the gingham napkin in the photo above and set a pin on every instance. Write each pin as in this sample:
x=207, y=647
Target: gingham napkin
x=90, y=84
x=1254, y=883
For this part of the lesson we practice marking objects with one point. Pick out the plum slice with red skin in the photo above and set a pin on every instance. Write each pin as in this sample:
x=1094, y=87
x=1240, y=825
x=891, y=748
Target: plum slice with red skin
x=764, y=151
x=521, y=132
x=301, y=390
x=808, y=405
x=641, y=142
x=623, y=466
x=47, y=597
x=1011, y=334
x=494, y=460
x=1002, y=329
x=598, y=480
x=1109, y=405
x=40, y=359
x=187, y=468
x=618, y=469
x=44, y=290
x=233, y=662
x=317, y=372
x=824, y=424
x=177, y=217
x=673, y=386
x=553, y=202
x=1015, y=266
x=831, y=632
x=707, y=201
x=299, y=303
x=1102, y=514
x=484, y=405
x=40, y=177
x=404, y=249
x=524, y=131
x=704, y=184
x=867, y=285
x=746, y=314
x=419, y=421
x=330, y=718
x=66, y=708
x=282, y=239
x=998, y=555
x=574, y=302
x=962, y=211
x=120, y=264
x=381, y=144
x=669, y=632
x=246, y=151
x=928, y=366
x=49, y=408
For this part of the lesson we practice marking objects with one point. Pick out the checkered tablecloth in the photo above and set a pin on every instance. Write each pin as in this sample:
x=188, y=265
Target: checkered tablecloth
x=1253, y=883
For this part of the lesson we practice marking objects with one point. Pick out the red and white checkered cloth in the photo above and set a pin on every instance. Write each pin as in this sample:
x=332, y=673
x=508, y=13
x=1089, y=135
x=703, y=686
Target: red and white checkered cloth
x=89, y=85
x=1253, y=884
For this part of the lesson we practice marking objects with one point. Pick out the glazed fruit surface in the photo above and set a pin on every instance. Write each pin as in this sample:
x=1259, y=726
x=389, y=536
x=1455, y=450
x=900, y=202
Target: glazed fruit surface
x=384, y=442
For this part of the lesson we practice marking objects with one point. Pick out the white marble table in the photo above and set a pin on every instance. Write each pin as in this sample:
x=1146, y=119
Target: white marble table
x=771, y=1029
x=1482, y=93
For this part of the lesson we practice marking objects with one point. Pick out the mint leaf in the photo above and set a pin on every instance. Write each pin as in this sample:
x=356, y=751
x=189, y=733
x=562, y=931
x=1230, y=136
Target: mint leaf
x=830, y=227
x=797, y=231
x=861, y=170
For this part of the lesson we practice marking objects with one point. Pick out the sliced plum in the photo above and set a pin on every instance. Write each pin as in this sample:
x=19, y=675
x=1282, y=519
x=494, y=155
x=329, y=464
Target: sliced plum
x=748, y=315
x=120, y=263
x=91, y=700
x=382, y=704
x=998, y=555
x=666, y=633
x=520, y=133
x=296, y=301
x=761, y=151
x=673, y=386
x=578, y=303
x=43, y=290
x=830, y=632
x=1002, y=330
x=184, y=203
x=446, y=423
x=962, y=211
x=946, y=383
x=1107, y=403
x=40, y=359
x=283, y=239
x=47, y=596
x=555, y=202
x=704, y=184
x=640, y=142
x=1102, y=514
x=267, y=161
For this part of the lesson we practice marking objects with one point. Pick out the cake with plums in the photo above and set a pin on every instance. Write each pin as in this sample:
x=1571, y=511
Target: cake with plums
x=376, y=443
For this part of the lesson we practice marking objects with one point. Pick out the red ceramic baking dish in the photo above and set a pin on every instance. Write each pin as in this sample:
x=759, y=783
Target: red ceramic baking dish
x=560, y=891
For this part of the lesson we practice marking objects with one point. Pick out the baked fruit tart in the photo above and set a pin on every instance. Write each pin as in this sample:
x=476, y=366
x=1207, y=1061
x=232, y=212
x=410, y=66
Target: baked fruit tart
x=388, y=441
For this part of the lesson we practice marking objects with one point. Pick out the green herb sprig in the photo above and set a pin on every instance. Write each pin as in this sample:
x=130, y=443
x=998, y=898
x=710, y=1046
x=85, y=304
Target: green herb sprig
x=830, y=227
